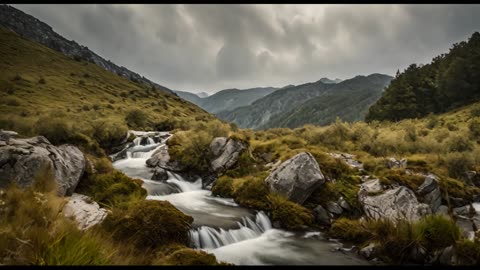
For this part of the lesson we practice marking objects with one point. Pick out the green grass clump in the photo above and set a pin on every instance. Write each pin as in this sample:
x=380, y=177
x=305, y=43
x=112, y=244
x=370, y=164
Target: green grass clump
x=223, y=187
x=149, y=224
x=288, y=214
x=468, y=252
x=252, y=192
x=187, y=256
x=401, y=177
x=113, y=189
x=350, y=229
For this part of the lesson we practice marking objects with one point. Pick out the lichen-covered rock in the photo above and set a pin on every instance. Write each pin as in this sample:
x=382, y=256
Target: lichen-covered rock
x=225, y=153
x=22, y=160
x=296, y=178
x=349, y=159
x=394, y=204
x=84, y=211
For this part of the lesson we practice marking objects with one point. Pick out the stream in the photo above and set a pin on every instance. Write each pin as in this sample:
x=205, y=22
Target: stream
x=232, y=233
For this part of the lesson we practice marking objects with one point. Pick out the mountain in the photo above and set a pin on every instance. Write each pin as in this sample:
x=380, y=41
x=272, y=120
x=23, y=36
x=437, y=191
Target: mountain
x=195, y=99
x=316, y=102
x=44, y=92
x=202, y=94
x=451, y=80
x=233, y=98
x=328, y=81
x=31, y=28
x=227, y=99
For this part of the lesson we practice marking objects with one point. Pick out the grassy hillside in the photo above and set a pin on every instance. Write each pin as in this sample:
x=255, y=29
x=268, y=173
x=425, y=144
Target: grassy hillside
x=44, y=92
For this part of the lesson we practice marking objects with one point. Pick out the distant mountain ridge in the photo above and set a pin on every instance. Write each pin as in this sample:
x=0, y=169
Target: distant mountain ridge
x=32, y=28
x=316, y=103
x=227, y=99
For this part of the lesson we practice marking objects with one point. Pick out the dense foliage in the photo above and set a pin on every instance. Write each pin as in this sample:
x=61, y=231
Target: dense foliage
x=450, y=81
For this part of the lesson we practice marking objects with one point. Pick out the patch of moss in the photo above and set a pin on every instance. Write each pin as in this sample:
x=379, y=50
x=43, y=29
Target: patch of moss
x=252, y=192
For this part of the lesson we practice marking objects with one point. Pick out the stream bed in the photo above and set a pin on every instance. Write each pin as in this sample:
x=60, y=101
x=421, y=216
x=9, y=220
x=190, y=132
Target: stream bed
x=232, y=233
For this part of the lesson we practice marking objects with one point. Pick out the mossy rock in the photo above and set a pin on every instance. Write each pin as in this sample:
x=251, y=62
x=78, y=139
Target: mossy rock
x=150, y=224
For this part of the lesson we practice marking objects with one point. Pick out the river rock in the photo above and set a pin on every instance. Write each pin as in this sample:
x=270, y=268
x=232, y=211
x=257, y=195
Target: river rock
x=22, y=160
x=344, y=204
x=334, y=208
x=394, y=204
x=322, y=216
x=430, y=192
x=466, y=227
x=393, y=163
x=368, y=252
x=160, y=174
x=442, y=210
x=225, y=153
x=349, y=159
x=161, y=158
x=466, y=210
x=369, y=187
x=296, y=178
x=84, y=211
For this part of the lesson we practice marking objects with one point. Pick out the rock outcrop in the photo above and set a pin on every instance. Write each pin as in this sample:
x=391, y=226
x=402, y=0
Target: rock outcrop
x=84, y=211
x=23, y=160
x=393, y=163
x=393, y=204
x=225, y=153
x=296, y=178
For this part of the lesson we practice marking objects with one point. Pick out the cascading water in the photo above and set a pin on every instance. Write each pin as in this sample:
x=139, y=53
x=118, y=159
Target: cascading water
x=232, y=233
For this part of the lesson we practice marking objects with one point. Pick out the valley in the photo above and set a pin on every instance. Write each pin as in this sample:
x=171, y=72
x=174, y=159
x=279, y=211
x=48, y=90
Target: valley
x=101, y=166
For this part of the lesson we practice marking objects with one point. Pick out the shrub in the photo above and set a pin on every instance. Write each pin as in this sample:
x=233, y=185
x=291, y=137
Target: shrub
x=86, y=75
x=103, y=165
x=85, y=108
x=149, y=224
x=289, y=215
x=81, y=82
x=252, y=192
x=11, y=101
x=223, y=187
x=458, y=163
x=474, y=127
x=457, y=143
x=191, y=149
x=438, y=232
x=136, y=119
x=351, y=230
x=56, y=130
x=108, y=133
x=96, y=107
x=42, y=81
x=113, y=189
x=468, y=252
x=17, y=77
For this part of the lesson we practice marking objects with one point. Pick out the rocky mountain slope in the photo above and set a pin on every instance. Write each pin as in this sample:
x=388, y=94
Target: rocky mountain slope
x=288, y=107
x=31, y=28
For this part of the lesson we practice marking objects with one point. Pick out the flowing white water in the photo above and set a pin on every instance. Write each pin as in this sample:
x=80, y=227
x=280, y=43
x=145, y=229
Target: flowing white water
x=233, y=233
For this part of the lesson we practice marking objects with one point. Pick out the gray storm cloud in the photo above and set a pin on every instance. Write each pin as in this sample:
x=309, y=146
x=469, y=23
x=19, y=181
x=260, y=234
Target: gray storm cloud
x=213, y=47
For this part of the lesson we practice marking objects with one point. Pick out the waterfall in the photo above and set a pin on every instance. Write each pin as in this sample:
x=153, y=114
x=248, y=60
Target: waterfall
x=206, y=237
x=184, y=186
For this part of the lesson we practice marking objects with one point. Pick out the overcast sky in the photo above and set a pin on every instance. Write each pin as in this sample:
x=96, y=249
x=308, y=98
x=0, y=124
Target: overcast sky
x=212, y=47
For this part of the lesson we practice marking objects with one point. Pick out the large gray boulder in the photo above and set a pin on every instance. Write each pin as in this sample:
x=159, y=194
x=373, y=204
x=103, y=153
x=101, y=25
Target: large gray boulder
x=394, y=204
x=296, y=178
x=23, y=160
x=161, y=158
x=225, y=153
x=84, y=211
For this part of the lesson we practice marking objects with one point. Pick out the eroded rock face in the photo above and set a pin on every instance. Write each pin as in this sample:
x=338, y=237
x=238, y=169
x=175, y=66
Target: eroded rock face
x=395, y=204
x=296, y=178
x=84, y=211
x=225, y=153
x=430, y=192
x=22, y=160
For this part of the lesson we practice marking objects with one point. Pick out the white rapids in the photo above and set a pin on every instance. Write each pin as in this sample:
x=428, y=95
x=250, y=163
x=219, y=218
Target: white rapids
x=232, y=233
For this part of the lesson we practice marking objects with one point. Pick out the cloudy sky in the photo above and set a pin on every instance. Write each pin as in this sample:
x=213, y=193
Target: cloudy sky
x=212, y=47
